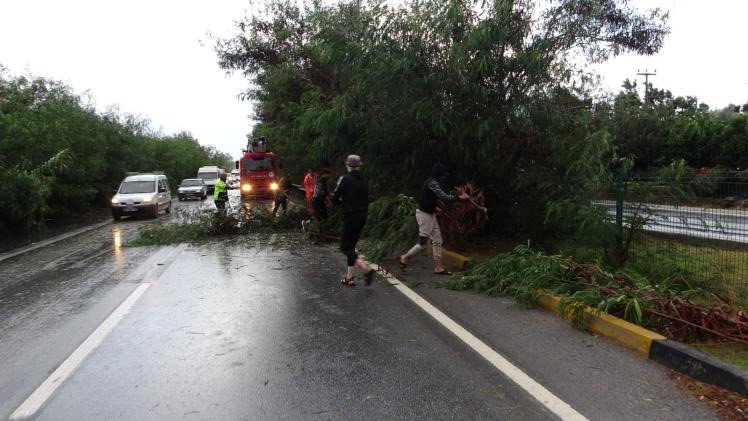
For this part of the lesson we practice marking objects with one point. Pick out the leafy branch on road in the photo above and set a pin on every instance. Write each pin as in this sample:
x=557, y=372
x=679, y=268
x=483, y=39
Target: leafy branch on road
x=670, y=305
x=208, y=224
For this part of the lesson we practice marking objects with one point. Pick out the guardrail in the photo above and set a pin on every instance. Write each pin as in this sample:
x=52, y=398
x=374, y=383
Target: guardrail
x=709, y=223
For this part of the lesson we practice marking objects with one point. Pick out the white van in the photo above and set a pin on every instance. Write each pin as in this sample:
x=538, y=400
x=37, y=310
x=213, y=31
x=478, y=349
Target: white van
x=209, y=175
x=143, y=194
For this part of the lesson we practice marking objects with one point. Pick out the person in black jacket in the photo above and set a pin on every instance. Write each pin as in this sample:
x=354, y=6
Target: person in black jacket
x=428, y=227
x=321, y=195
x=281, y=196
x=352, y=192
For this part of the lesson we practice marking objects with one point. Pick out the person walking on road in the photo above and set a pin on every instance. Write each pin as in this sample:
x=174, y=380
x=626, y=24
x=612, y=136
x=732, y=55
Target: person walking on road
x=352, y=192
x=428, y=227
x=220, y=192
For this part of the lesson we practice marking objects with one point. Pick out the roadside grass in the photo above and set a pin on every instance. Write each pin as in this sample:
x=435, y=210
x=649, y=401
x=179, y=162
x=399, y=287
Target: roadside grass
x=720, y=270
x=209, y=224
x=731, y=353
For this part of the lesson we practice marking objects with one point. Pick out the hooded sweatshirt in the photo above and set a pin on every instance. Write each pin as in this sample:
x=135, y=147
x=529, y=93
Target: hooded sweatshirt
x=432, y=191
x=352, y=192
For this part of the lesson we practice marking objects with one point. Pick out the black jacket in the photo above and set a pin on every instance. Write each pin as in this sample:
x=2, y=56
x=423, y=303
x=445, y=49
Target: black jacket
x=320, y=188
x=432, y=191
x=352, y=192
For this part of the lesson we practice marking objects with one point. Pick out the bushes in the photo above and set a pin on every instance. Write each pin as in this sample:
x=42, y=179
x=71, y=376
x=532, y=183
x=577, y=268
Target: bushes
x=41, y=117
x=24, y=192
x=390, y=227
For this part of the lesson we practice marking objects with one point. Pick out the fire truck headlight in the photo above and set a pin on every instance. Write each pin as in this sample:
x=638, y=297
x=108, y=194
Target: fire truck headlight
x=273, y=186
x=246, y=187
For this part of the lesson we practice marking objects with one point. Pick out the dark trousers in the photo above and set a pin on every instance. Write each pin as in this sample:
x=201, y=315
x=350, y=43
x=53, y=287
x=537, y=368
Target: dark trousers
x=221, y=200
x=353, y=224
x=281, y=201
x=320, y=208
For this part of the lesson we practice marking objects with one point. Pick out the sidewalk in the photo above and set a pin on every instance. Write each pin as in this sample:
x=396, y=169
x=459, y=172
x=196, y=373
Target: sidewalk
x=600, y=379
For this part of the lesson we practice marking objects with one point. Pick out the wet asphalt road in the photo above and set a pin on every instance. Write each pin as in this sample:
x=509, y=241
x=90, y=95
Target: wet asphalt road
x=255, y=328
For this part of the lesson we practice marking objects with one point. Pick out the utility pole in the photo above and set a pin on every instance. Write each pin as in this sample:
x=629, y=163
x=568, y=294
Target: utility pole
x=646, y=75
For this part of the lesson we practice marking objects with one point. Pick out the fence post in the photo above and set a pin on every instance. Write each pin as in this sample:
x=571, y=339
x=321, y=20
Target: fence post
x=620, y=182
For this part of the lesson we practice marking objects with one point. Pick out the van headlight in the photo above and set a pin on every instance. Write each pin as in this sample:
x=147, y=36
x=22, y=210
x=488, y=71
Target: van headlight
x=246, y=187
x=115, y=201
x=273, y=186
x=147, y=199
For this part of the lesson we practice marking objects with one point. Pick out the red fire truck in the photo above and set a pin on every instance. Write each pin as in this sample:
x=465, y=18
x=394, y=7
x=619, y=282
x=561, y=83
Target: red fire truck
x=258, y=170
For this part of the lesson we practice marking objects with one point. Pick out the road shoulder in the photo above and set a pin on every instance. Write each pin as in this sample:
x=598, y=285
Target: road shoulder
x=596, y=376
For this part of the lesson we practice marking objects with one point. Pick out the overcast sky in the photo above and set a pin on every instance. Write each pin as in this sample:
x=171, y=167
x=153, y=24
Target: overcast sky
x=148, y=57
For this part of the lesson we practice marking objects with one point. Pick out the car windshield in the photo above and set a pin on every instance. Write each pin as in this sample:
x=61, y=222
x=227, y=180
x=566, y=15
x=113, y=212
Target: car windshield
x=212, y=175
x=138, y=187
x=258, y=164
x=192, y=182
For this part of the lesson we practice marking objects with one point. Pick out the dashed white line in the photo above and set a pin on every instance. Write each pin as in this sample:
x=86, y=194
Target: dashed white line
x=533, y=388
x=32, y=404
x=155, y=266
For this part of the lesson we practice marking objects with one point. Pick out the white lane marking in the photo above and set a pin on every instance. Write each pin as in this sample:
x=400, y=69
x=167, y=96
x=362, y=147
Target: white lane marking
x=535, y=389
x=51, y=241
x=32, y=404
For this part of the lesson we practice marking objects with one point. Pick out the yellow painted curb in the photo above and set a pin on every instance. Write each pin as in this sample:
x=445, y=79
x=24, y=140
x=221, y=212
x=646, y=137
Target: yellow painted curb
x=451, y=258
x=628, y=334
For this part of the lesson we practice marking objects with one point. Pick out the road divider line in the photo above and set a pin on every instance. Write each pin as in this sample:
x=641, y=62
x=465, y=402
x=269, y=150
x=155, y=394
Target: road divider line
x=42, y=393
x=533, y=388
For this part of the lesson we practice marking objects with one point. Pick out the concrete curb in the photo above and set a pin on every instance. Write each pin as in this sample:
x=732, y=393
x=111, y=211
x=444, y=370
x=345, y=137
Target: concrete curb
x=652, y=345
x=649, y=344
x=451, y=258
x=627, y=334
x=700, y=366
x=50, y=241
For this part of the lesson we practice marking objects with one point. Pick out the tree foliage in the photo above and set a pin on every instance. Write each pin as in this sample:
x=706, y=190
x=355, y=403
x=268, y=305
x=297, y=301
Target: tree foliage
x=39, y=118
x=490, y=88
x=669, y=128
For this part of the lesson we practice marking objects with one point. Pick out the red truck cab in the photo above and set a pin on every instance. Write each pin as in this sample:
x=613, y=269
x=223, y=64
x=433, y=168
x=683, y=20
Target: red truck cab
x=258, y=171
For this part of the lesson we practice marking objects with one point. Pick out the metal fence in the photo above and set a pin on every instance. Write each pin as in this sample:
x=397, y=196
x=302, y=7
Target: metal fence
x=694, y=226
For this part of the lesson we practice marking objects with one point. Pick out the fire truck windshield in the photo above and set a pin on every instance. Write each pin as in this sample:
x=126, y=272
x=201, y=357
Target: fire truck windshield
x=262, y=164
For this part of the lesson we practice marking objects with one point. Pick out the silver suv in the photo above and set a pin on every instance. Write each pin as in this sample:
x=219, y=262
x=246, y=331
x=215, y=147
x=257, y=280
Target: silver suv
x=144, y=194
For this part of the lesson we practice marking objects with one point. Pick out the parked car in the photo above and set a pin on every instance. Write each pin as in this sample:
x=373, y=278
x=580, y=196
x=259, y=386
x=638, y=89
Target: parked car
x=143, y=194
x=192, y=187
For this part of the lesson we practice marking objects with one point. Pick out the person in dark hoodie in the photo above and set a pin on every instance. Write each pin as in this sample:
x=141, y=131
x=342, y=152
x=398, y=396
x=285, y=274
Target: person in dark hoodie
x=428, y=227
x=352, y=192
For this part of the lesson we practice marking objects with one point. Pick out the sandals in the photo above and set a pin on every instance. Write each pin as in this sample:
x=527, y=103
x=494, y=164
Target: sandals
x=443, y=272
x=368, y=277
x=403, y=265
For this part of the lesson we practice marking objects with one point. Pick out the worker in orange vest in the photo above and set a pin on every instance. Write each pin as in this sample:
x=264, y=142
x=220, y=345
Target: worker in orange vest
x=310, y=180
